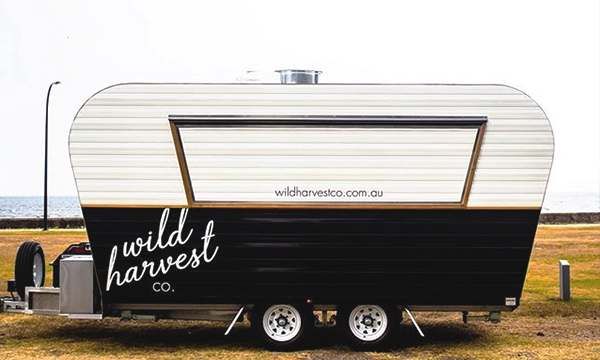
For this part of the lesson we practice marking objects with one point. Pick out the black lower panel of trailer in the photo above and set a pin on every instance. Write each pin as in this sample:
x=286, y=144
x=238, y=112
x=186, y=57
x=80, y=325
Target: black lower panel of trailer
x=412, y=257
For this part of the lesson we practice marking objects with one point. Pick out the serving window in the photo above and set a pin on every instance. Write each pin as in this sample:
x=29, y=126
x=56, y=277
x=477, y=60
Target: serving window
x=327, y=161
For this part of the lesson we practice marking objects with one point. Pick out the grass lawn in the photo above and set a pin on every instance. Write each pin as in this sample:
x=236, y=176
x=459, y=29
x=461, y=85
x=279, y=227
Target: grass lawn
x=542, y=328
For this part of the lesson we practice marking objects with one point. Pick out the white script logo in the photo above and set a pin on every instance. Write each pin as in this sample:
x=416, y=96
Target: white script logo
x=183, y=261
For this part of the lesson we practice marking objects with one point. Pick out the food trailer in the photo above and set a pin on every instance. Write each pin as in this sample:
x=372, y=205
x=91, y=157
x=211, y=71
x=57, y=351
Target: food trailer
x=360, y=201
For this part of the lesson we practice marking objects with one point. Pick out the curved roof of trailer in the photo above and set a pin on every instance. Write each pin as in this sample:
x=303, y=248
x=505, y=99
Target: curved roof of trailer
x=125, y=152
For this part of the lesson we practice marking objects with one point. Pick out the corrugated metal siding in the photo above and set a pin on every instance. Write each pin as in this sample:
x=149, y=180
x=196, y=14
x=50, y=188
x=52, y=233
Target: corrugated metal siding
x=126, y=128
x=332, y=256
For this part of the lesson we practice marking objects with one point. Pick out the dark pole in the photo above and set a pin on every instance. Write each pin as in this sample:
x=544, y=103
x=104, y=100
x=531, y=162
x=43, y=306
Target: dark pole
x=46, y=161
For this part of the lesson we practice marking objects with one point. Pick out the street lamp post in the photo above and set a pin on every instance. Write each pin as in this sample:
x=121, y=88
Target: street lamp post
x=46, y=161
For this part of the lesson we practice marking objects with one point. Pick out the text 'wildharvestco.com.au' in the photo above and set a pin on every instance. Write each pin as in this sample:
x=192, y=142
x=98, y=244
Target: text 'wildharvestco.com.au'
x=295, y=191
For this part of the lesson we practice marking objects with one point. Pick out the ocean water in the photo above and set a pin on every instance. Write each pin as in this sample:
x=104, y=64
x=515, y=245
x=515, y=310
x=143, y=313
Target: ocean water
x=68, y=206
x=569, y=202
x=33, y=206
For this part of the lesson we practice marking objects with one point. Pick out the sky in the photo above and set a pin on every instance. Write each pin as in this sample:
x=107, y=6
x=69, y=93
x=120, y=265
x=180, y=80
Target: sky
x=548, y=49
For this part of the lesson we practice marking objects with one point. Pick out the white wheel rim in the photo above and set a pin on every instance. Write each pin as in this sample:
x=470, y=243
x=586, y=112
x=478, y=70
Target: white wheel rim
x=282, y=322
x=368, y=322
x=38, y=270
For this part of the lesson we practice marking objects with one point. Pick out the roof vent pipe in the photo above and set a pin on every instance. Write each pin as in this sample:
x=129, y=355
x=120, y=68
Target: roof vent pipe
x=290, y=76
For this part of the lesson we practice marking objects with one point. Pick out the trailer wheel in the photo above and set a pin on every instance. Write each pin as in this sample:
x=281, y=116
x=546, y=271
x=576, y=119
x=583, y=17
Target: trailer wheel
x=367, y=327
x=30, y=267
x=281, y=327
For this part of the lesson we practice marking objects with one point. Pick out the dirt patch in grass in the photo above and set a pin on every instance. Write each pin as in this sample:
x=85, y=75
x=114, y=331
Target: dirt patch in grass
x=542, y=328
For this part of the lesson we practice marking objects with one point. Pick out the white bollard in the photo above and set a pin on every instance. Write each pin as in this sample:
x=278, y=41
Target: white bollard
x=564, y=273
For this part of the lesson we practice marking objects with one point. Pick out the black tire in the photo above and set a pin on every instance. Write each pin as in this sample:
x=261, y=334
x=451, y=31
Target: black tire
x=270, y=339
x=375, y=338
x=29, y=255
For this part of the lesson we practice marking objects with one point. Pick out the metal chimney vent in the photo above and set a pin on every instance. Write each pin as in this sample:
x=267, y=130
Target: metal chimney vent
x=290, y=76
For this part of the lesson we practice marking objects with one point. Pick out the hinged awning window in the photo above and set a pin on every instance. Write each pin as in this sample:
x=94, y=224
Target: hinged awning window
x=327, y=161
